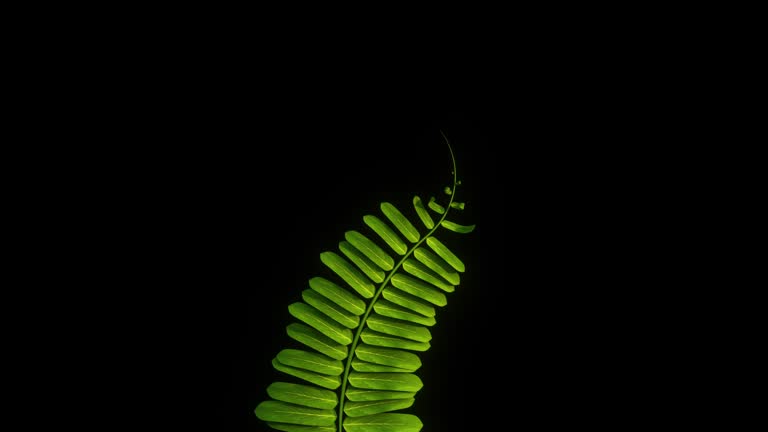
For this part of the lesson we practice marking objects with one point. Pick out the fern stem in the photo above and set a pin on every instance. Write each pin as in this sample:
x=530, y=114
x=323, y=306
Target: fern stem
x=392, y=272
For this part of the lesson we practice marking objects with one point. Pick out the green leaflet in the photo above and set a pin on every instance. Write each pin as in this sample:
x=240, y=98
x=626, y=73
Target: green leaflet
x=325, y=381
x=356, y=394
x=305, y=395
x=370, y=249
x=386, y=381
x=408, y=301
x=314, y=339
x=338, y=295
x=419, y=289
x=444, y=253
x=340, y=315
x=282, y=412
x=298, y=428
x=359, y=409
x=399, y=328
x=383, y=423
x=386, y=233
x=423, y=272
x=362, y=262
x=437, y=265
x=366, y=322
x=426, y=219
x=400, y=222
x=358, y=281
x=389, y=309
x=320, y=322
x=388, y=357
x=462, y=229
x=383, y=340
x=435, y=207
x=363, y=366
x=310, y=361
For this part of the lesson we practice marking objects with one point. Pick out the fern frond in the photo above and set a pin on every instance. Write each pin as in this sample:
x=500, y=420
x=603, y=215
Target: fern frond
x=364, y=331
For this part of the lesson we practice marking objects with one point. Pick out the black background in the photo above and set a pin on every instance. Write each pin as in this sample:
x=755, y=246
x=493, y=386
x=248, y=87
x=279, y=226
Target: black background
x=215, y=191
x=558, y=318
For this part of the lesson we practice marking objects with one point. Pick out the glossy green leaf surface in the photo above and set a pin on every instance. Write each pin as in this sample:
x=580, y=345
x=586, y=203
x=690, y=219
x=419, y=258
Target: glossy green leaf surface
x=364, y=408
x=388, y=309
x=338, y=295
x=286, y=427
x=364, y=366
x=305, y=395
x=423, y=214
x=331, y=309
x=415, y=268
x=356, y=394
x=387, y=422
x=408, y=301
x=375, y=338
x=435, y=207
x=437, y=265
x=316, y=340
x=351, y=275
x=386, y=381
x=419, y=289
x=276, y=411
x=388, y=357
x=363, y=263
x=321, y=322
x=385, y=232
x=399, y=328
x=370, y=249
x=443, y=252
x=325, y=381
x=310, y=361
x=462, y=229
x=400, y=222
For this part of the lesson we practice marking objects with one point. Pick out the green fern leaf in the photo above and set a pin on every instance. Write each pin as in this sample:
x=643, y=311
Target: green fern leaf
x=314, y=339
x=383, y=423
x=356, y=395
x=362, y=262
x=437, y=265
x=383, y=340
x=321, y=322
x=400, y=222
x=359, y=409
x=304, y=395
x=362, y=366
x=338, y=295
x=409, y=302
x=370, y=249
x=289, y=413
x=297, y=428
x=339, y=314
x=389, y=309
x=424, y=273
x=419, y=289
x=435, y=207
x=364, y=331
x=463, y=229
x=426, y=219
x=358, y=281
x=386, y=233
x=444, y=253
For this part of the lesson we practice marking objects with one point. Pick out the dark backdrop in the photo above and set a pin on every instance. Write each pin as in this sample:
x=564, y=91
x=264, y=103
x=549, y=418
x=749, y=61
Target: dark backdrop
x=551, y=321
x=220, y=201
